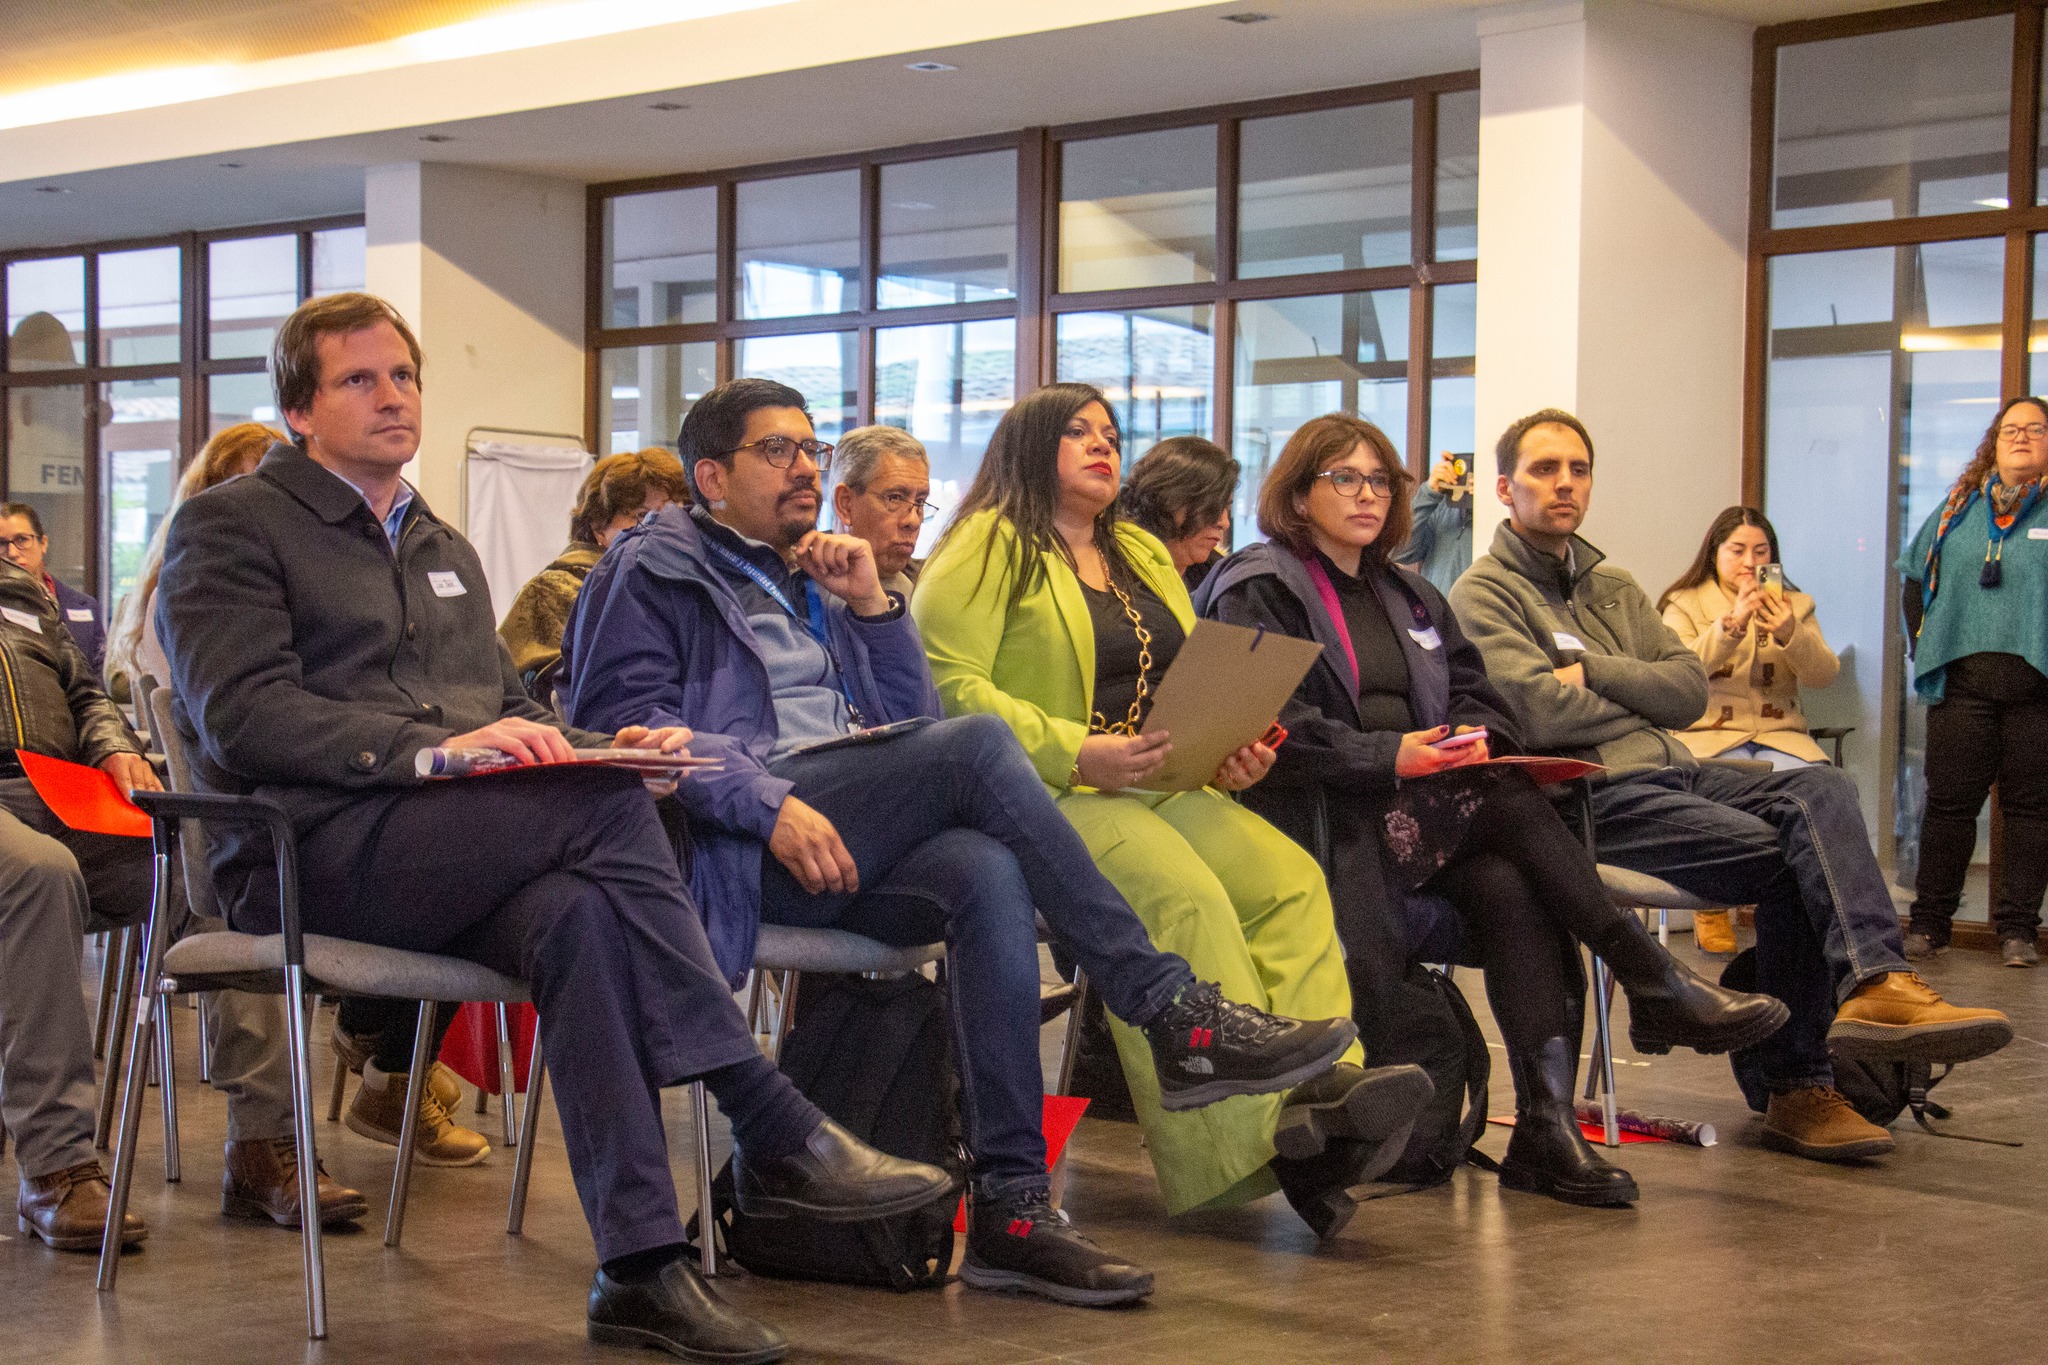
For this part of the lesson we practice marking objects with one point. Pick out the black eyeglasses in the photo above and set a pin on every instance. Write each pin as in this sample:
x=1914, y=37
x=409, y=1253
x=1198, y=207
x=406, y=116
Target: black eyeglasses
x=2033, y=431
x=1349, y=483
x=20, y=542
x=898, y=502
x=780, y=451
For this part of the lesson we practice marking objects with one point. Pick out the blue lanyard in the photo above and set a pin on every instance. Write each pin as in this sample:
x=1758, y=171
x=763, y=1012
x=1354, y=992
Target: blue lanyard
x=813, y=618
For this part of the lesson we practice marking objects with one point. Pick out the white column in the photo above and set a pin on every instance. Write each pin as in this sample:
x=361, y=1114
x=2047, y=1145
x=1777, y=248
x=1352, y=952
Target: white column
x=487, y=266
x=1613, y=203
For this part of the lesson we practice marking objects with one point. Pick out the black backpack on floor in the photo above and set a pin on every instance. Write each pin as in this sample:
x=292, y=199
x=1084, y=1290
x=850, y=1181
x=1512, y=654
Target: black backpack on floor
x=1428, y=1023
x=876, y=1056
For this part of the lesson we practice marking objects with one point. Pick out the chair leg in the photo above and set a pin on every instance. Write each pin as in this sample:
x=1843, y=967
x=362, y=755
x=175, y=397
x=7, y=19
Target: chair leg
x=103, y=1017
x=296, y=1035
x=1070, y=1045
x=408, y=1131
x=1601, y=1072
x=529, y=1126
x=1664, y=926
x=754, y=998
x=707, y=1248
x=785, y=1017
x=167, y=1067
x=505, y=1087
x=205, y=1046
x=124, y=1015
x=131, y=1095
x=334, y=1097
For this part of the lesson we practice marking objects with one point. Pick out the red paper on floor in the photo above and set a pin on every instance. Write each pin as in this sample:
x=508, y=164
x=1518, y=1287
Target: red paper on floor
x=85, y=799
x=1062, y=1115
x=471, y=1048
x=1593, y=1131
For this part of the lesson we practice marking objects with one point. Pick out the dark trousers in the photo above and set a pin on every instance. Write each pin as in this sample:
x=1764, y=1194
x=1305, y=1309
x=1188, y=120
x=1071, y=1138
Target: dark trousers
x=1792, y=843
x=1993, y=711
x=956, y=838
x=566, y=879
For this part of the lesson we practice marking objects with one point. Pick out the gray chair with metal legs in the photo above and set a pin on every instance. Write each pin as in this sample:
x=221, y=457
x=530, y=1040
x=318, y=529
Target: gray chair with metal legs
x=789, y=953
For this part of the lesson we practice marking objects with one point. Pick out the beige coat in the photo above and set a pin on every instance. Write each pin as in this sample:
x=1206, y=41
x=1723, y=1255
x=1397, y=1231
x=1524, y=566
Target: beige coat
x=1753, y=682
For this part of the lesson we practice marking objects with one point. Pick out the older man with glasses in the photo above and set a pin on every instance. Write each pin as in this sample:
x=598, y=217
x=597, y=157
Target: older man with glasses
x=884, y=497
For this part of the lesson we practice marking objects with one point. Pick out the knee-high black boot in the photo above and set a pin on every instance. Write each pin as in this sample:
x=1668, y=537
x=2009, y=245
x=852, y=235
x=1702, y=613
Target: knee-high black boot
x=1671, y=1006
x=1547, y=1153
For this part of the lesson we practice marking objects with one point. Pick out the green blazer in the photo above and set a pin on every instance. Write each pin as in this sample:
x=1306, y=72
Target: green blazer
x=1032, y=664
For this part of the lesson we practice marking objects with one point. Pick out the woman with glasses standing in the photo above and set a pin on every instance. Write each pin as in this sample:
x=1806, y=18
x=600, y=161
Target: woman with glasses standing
x=1976, y=606
x=1377, y=778
x=1042, y=607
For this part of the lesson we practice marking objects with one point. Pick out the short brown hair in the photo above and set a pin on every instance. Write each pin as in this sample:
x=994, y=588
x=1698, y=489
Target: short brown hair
x=295, y=356
x=1316, y=445
x=1183, y=484
x=621, y=483
x=1507, y=452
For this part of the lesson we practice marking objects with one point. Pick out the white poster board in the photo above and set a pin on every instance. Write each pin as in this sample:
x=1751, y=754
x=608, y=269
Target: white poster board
x=519, y=499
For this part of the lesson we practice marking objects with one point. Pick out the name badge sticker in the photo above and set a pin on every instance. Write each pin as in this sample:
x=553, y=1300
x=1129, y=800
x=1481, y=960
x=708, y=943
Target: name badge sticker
x=25, y=619
x=2037, y=533
x=78, y=613
x=1564, y=639
x=1428, y=639
x=446, y=583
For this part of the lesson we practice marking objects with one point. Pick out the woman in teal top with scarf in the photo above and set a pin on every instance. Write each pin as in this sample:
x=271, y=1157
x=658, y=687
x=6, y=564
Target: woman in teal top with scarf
x=1976, y=603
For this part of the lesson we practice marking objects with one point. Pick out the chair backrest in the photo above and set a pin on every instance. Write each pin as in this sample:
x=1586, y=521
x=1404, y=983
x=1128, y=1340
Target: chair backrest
x=146, y=687
x=199, y=890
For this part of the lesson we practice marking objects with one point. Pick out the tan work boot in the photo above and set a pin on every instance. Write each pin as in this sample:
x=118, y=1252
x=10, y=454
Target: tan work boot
x=261, y=1180
x=1713, y=931
x=379, y=1109
x=354, y=1050
x=68, y=1209
x=1816, y=1122
x=1898, y=1017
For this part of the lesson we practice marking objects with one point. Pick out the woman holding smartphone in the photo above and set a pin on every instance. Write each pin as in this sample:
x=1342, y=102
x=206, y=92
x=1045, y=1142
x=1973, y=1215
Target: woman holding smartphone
x=1382, y=776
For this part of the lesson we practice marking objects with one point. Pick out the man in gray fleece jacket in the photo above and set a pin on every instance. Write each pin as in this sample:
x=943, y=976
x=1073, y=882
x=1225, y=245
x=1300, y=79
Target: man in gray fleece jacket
x=1592, y=671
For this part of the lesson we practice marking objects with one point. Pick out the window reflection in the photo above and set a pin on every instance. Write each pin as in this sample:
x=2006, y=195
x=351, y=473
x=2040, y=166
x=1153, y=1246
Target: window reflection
x=1453, y=343
x=252, y=285
x=1328, y=190
x=1156, y=365
x=661, y=257
x=822, y=366
x=798, y=245
x=139, y=451
x=947, y=385
x=647, y=390
x=949, y=230
x=340, y=260
x=46, y=314
x=140, y=293
x=235, y=398
x=1457, y=176
x=46, y=468
x=1138, y=210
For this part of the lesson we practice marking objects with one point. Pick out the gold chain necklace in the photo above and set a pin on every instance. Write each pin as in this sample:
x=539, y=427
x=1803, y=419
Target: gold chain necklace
x=1097, y=722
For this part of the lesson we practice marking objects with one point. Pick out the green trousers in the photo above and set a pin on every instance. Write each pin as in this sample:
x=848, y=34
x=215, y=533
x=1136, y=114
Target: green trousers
x=1249, y=910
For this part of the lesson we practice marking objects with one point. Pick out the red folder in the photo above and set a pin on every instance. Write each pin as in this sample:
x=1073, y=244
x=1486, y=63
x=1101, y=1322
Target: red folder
x=85, y=799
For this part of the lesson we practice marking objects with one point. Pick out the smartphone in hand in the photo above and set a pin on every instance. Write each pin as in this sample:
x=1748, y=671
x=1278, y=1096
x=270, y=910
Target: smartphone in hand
x=1464, y=741
x=1771, y=578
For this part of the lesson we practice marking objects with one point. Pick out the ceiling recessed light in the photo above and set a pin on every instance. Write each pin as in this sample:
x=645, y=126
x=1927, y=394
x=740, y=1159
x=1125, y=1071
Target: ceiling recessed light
x=53, y=189
x=668, y=106
x=1250, y=16
x=437, y=137
x=929, y=66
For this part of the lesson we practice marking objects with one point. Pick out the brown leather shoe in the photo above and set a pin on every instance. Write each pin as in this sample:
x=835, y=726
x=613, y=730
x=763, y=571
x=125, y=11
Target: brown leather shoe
x=378, y=1110
x=1898, y=1017
x=352, y=1050
x=1816, y=1122
x=68, y=1209
x=261, y=1180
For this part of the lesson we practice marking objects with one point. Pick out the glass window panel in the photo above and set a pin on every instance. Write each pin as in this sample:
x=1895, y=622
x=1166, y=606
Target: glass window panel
x=648, y=389
x=236, y=398
x=1453, y=344
x=46, y=469
x=139, y=306
x=139, y=448
x=1300, y=358
x=946, y=384
x=1893, y=125
x=1883, y=373
x=822, y=366
x=46, y=314
x=252, y=285
x=1457, y=176
x=340, y=260
x=949, y=230
x=661, y=257
x=1156, y=365
x=2037, y=339
x=1329, y=190
x=1138, y=210
x=798, y=245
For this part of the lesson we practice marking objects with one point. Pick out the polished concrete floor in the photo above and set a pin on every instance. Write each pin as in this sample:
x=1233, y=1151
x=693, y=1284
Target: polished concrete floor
x=1734, y=1254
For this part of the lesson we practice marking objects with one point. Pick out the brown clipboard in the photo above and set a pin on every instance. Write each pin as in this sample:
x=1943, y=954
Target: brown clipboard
x=1226, y=686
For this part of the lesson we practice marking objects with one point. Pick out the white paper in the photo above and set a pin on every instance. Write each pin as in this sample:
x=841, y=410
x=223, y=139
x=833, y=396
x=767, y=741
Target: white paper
x=2037, y=533
x=446, y=583
x=26, y=620
x=1428, y=639
x=78, y=613
x=1566, y=640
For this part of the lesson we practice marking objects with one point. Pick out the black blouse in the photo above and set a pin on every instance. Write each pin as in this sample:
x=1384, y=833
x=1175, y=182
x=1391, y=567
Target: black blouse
x=1116, y=648
x=1382, y=667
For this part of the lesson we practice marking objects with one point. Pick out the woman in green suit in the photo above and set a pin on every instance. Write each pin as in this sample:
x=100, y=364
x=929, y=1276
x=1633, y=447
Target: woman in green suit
x=1039, y=606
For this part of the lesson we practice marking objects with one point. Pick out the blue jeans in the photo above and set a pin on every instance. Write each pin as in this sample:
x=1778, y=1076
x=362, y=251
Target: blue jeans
x=1794, y=844
x=956, y=838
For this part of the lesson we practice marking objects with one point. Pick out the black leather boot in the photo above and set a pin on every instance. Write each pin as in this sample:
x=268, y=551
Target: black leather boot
x=1669, y=1006
x=1548, y=1154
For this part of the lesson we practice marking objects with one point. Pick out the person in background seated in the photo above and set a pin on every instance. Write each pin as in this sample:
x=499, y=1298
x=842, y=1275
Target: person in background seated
x=883, y=496
x=1043, y=608
x=1591, y=671
x=1976, y=604
x=1440, y=539
x=324, y=629
x=774, y=642
x=25, y=546
x=1361, y=782
x=1181, y=492
x=1761, y=643
x=618, y=491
